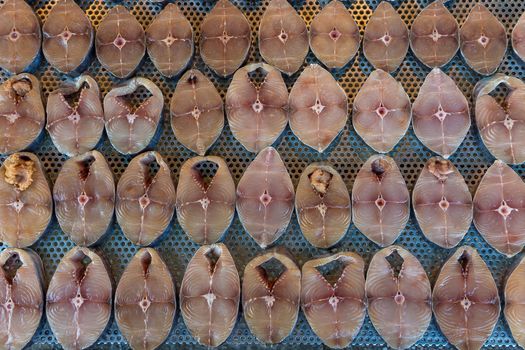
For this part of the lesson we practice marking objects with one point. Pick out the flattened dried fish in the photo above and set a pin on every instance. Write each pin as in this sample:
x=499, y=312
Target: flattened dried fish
x=283, y=37
x=380, y=200
x=197, y=112
x=442, y=203
x=399, y=298
x=75, y=118
x=205, y=209
x=26, y=204
x=129, y=129
x=334, y=35
x=465, y=300
x=84, y=195
x=169, y=41
x=145, y=198
x=225, y=38
x=271, y=293
x=22, y=114
x=386, y=39
x=322, y=205
x=518, y=37
x=381, y=111
x=209, y=295
x=514, y=301
x=68, y=36
x=334, y=302
x=265, y=198
x=257, y=113
x=318, y=108
x=441, y=114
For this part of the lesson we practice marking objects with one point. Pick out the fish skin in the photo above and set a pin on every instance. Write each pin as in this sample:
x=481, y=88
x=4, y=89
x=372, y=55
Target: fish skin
x=196, y=107
x=224, y=30
x=334, y=35
x=195, y=201
x=78, y=311
x=22, y=113
x=29, y=210
x=373, y=202
x=434, y=35
x=477, y=290
x=392, y=301
x=268, y=171
x=442, y=203
x=68, y=36
x=513, y=296
x=24, y=293
x=265, y=105
x=282, y=30
x=345, y=301
x=19, y=53
x=498, y=214
x=385, y=23
x=122, y=120
x=323, y=218
x=84, y=119
x=271, y=309
x=373, y=110
x=144, y=204
x=217, y=297
x=518, y=37
x=145, y=302
x=170, y=34
x=120, y=51
x=84, y=206
x=318, y=108
x=440, y=105
x=471, y=33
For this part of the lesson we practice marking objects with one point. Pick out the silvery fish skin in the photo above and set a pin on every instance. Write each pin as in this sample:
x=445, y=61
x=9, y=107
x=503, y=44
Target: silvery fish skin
x=322, y=205
x=78, y=301
x=20, y=36
x=381, y=111
x=271, y=293
x=120, y=42
x=197, y=112
x=518, y=37
x=145, y=199
x=21, y=297
x=131, y=129
x=84, y=195
x=209, y=295
x=483, y=40
x=434, y=35
x=440, y=114
x=335, y=303
x=169, y=40
x=283, y=37
x=257, y=113
x=225, y=38
x=68, y=36
x=399, y=297
x=265, y=198
x=465, y=300
x=145, y=303
x=205, y=210
x=318, y=108
x=386, y=38
x=26, y=205
x=442, y=203
x=22, y=113
x=380, y=200
x=502, y=125
x=75, y=124
x=334, y=35
x=514, y=301
x=498, y=209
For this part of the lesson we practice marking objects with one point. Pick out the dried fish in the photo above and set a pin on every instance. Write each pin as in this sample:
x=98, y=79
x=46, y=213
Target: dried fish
x=518, y=37
x=514, y=301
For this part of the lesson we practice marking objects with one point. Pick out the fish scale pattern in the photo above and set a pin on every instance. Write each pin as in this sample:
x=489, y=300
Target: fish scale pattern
x=347, y=154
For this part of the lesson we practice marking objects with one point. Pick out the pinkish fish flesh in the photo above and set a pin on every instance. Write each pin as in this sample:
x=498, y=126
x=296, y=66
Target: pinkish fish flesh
x=518, y=37
x=514, y=302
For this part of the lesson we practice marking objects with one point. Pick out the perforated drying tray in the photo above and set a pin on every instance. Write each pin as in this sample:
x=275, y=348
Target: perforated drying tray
x=347, y=155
